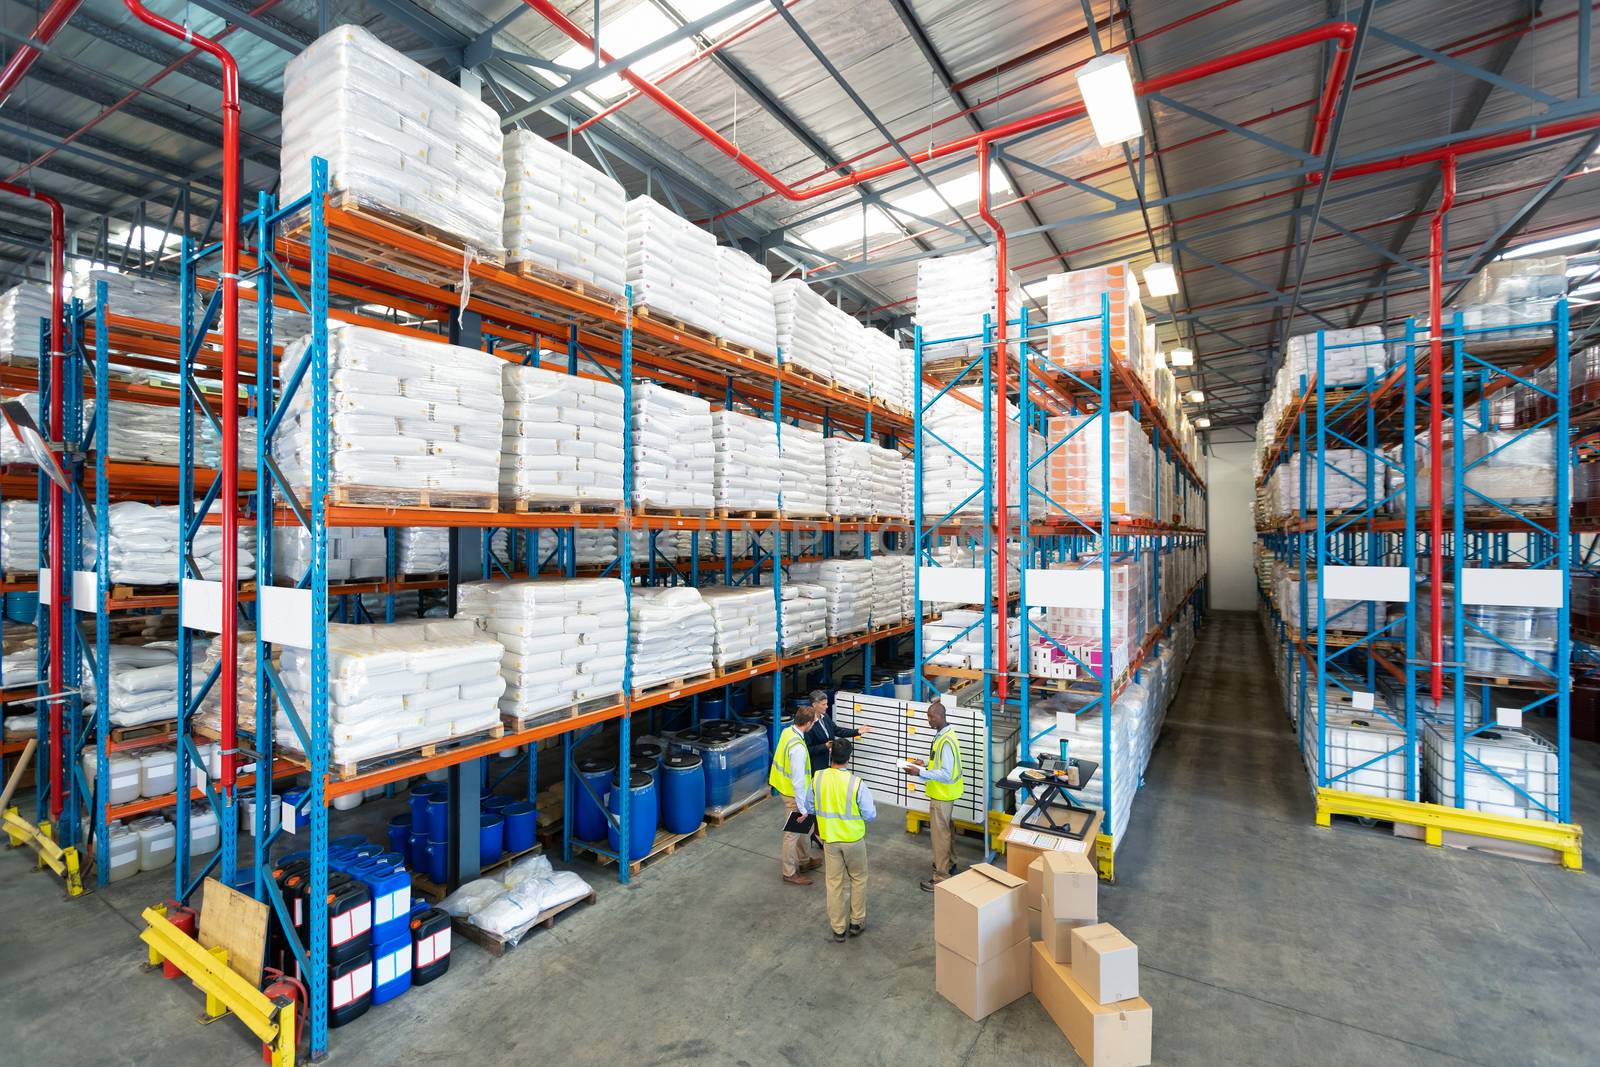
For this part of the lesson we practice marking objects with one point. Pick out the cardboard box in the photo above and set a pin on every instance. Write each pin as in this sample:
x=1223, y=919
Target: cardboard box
x=1104, y=1035
x=1105, y=963
x=980, y=989
x=1035, y=925
x=1071, y=887
x=980, y=913
x=1035, y=896
x=1034, y=843
x=1057, y=935
x=1020, y=857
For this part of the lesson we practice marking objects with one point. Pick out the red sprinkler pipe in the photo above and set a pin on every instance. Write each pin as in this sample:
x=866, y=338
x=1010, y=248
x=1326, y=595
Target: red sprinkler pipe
x=50, y=23
x=1447, y=197
x=55, y=431
x=228, y=680
x=1001, y=436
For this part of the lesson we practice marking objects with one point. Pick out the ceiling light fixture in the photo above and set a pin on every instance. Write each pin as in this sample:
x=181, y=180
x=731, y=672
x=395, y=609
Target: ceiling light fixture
x=1182, y=357
x=1203, y=422
x=1107, y=90
x=1196, y=396
x=1160, y=279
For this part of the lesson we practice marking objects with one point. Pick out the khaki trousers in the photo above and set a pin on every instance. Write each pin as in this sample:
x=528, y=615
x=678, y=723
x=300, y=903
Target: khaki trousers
x=845, y=864
x=941, y=815
x=794, y=845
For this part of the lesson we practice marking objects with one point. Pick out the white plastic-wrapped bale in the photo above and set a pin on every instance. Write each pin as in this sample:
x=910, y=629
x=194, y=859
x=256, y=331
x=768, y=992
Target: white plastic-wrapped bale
x=1346, y=356
x=672, y=264
x=805, y=615
x=22, y=307
x=143, y=682
x=673, y=635
x=886, y=369
x=422, y=550
x=398, y=138
x=393, y=687
x=674, y=464
x=849, y=469
x=354, y=552
x=591, y=548
x=19, y=536
x=852, y=366
x=885, y=483
x=562, y=438
x=746, y=622
x=143, y=546
x=744, y=309
x=411, y=422
x=955, y=292
x=208, y=451
x=138, y=296
x=848, y=586
x=748, y=469
x=805, y=472
x=561, y=214
x=12, y=450
x=565, y=642
x=806, y=334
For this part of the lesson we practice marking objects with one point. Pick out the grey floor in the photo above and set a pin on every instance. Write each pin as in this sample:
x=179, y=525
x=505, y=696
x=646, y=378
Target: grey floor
x=1263, y=939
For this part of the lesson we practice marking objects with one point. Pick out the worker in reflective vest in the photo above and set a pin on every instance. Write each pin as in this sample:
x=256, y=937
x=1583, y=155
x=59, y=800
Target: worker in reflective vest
x=791, y=777
x=943, y=783
x=844, y=806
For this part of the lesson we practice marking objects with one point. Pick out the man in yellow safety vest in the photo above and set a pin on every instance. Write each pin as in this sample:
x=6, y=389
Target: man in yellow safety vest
x=791, y=777
x=844, y=806
x=943, y=783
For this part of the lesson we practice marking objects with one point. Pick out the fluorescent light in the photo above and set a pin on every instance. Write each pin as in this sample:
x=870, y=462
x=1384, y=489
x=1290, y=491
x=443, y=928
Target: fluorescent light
x=1182, y=357
x=1196, y=396
x=1551, y=244
x=1160, y=279
x=1107, y=90
x=1203, y=422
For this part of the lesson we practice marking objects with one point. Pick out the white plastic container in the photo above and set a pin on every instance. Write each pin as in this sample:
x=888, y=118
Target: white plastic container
x=204, y=833
x=247, y=812
x=156, y=846
x=347, y=802
x=158, y=773
x=124, y=776
x=124, y=846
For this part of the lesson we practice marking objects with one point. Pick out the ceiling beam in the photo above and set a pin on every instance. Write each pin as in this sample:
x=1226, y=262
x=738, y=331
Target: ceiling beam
x=162, y=56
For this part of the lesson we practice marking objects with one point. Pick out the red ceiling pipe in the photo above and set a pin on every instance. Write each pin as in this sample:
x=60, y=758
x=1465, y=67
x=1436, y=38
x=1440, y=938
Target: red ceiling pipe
x=1001, y=435
x=1447, y=197
x=50, y=23
x=228, y=680
x=55, y=431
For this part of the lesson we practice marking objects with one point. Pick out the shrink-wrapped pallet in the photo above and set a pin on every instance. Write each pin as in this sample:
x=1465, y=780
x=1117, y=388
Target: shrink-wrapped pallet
x=954, y=293
x=744, y=302
x=19, y=536
x=674, y=458
x=852, y=367
x=399, y=139
x=673, y=635
x=208, y=452
x=849, y=469
x=887, y=574
x=748, y=469
x=1347, y=356
x=565, y=641
x=561, y=214
x=143, y=682
x=1074, y=301
x=806, y=333
x=886, y=369
x=354, y=552
x=411, y=422
x=805, y=472
x=422, y=550
x=672, y=265
x=23, y=308
x=143, y=546
x=848, y=587
x=746, y=623
x=954, y=445
x=1116, y=451
x=562, y=438
x=138, y=296
x=886, y=481
x=805, y=615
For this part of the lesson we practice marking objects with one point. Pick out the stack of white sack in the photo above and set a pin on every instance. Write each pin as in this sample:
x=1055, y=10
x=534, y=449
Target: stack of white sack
x=672, y=264
x=885, y=483
x=848, y=585
x=144, y=682
x=209, y=451
x=562, y=438
x=666, y=546
x=748, y=469
x=138, y=296
x=12, y=450
x=562, y=214
x=852, y=365
x=1347, y=356
x=673, y=635
x=746, y=623
x=19, y=536
x=849, y=470
x=806, y=331
x=954, y=451
x=398, y=138
x=143, y=546
x=397, y=686
x=744, y=309
x=210, y=711
x=507, y=902
x=674, y=463
x=354, y=552
x=22, y=307
x=888, y=593
x=805, y=615
x=908, y=585
x=954, y=293
x=592, y=548
x=409, y=421
x=886, y=366
x=908, y=487
x=805, y=472
x=422, y=550
x=565, y=642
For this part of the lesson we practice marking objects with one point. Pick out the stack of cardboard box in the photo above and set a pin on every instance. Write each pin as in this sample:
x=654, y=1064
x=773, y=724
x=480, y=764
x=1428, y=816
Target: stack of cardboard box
x=980, y=933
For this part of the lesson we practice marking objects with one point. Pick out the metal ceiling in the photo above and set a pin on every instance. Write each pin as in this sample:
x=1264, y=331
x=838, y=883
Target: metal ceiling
x=813, y=89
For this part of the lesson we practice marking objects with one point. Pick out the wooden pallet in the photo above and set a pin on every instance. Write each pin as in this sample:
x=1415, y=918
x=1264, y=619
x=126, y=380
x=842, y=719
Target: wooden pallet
x=672, y=513
x=551, y=276
x=361, y=496
x=672, y=322
x=609, y=508
x=571, y=711
x=747, y=662
x=664, y=845
x=721, y=817
x=346, y=771
x=752, y=514
x=809, y=375
x=435, y=892
x=498, y=945
x=667, y=687
x=123, y=734
x=746, y=352
x=376, y=250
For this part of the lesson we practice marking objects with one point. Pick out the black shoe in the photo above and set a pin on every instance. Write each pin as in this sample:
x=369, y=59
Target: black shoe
x=835, y=937
x=927, y=886
x=856, y=930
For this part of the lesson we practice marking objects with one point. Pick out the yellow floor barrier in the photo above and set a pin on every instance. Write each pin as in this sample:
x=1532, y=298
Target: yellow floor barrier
x=64, y=861
x=1435, y=820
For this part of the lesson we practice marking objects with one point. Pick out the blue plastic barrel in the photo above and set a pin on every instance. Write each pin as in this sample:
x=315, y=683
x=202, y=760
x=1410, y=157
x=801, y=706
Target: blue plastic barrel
x=438, y=861
x=850, y=683
x=683, y=793
x=438, y=818
x=739, y=699
x=491, y=837
x=641, y=814
x=417, y=853
x=588, y=818
x=496, y=802
x=400, y=832
x=903, y=685
x=419, y=797
x=713, y=706
x=522, y=825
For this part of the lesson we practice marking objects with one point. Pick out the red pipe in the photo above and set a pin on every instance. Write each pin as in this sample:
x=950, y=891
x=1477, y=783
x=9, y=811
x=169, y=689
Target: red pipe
x=228, y=680
x=55, y=430
x=1447, y=198
x=1001, y=329
x=50, y=23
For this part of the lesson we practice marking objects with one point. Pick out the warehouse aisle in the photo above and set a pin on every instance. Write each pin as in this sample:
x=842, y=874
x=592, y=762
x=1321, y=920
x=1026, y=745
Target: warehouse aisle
x=1264, y=940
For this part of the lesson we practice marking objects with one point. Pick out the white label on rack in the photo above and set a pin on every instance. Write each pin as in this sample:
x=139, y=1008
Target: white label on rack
x=85, y=584
x=202, y=605
x=1361, y=701
x=285, y=615
x=1511, y=587
x=1367, y=583
x=46, y=590
x=1065, y=588
x=963, y=585
x=289, y=819
x=1508, y=717
x=1066, y=721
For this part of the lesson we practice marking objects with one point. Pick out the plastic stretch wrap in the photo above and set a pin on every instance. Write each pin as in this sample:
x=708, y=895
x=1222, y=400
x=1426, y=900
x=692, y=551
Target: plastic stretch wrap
x=954, y=443
x=354, y=552
x=805, y=329
x=22, y=307
x=562, y=214
x=143, y=546
x=1347, y=355
x=210, y=711
x=744, y=309
x=886, y=369
x=885, y=481
x=674, y=464
x=805, y=614
x=848, y=587
x=1519, y=293
x=1077, y=468
x=671, y=265
x=956, y=639
x=849, y=466
x=422, y=550
x=748, y=469
x=564, y=641
x=19, y=538
x=143, y=682
x=673, y=635
x=562, y=438
x=805, y=472
x=954, y=293
x=136, y=296
x=1074, y=301
x=397, y=137
x=888, y=600
x=852, y=367
x=746, y=622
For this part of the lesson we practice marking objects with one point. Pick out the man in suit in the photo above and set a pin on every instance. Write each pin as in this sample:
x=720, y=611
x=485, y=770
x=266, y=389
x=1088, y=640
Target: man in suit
x=823, y=730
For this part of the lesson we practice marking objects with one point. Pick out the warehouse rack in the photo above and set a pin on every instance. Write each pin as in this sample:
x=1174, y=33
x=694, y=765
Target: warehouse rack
x=1373, y=655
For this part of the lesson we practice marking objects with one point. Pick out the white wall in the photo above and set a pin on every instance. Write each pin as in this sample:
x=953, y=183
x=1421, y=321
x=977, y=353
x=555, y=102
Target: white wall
x=1230, y=527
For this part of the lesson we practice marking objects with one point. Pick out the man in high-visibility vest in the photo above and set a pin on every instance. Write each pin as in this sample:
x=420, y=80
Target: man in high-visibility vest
x=844, y=806
x=943, y=783
x=791, y=777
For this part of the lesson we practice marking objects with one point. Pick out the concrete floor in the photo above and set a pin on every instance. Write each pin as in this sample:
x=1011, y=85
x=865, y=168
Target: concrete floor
x=1264, y=940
